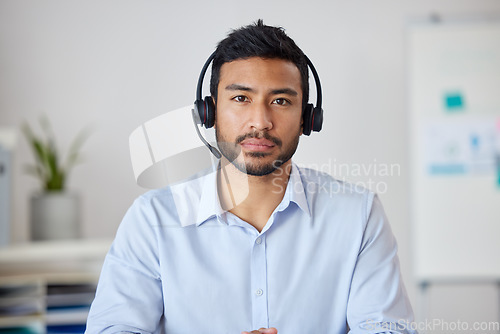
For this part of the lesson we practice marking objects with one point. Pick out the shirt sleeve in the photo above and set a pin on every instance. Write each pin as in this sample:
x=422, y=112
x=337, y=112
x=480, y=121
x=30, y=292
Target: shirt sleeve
x=129, y=294
x=378, y=302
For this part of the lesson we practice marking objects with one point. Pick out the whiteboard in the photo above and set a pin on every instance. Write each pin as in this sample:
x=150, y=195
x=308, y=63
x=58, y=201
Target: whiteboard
x=454, y=123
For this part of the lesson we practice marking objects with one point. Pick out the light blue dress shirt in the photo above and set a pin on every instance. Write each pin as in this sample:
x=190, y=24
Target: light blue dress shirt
x=325, y=262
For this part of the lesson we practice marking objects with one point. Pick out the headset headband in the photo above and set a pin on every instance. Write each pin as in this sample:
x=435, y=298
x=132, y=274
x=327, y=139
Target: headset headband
x=309, y=63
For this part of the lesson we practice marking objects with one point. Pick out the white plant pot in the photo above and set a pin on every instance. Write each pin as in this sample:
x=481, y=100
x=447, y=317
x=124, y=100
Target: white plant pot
x=55, y=215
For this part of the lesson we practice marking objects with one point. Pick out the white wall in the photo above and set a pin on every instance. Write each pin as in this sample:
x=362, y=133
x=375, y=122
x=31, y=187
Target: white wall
x=116, y=64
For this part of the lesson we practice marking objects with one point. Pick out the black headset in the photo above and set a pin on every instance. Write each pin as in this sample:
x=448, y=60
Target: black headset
x=312, y=116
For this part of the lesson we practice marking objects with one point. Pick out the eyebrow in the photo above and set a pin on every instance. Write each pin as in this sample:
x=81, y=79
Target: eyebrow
x=287, y=91
x=239, y=87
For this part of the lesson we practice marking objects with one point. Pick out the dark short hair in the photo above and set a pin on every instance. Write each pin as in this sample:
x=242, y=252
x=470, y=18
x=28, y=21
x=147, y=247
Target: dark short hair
x=259, y=40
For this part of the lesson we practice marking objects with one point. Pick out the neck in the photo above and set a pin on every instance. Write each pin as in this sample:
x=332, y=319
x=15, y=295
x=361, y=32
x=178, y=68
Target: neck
x=252, y=198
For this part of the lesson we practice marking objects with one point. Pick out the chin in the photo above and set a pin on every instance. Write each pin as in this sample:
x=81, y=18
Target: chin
x=263, y=169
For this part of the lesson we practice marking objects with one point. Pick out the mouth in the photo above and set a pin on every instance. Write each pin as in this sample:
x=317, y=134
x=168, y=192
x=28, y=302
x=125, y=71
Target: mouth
x=257, y=144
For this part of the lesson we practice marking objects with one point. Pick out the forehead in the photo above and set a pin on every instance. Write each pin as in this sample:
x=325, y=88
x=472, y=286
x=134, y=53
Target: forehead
x=261, y=72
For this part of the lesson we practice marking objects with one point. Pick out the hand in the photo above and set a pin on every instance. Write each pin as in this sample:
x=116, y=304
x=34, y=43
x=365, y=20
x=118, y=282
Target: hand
x=271, y=330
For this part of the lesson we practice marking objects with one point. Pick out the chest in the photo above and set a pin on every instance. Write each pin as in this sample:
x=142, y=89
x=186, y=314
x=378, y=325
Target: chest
x=235, y=279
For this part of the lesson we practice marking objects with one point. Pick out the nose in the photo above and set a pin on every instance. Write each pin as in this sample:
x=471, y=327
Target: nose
x=260, y=117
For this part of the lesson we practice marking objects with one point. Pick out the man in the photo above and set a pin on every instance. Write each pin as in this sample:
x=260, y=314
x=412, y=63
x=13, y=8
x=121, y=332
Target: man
x=256, y=244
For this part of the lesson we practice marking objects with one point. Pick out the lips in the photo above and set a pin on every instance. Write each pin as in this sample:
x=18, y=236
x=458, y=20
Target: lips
x=257, y=144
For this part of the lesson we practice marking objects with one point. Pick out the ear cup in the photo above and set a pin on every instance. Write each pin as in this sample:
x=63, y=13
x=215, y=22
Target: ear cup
x=307, y=116
x=317, y=119
x=210, y=111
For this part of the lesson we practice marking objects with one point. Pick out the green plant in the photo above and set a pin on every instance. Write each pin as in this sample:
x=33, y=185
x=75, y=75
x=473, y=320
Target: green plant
x=49, y=168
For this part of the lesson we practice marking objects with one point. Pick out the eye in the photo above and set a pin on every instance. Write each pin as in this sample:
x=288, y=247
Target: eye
x=240, y=98
x=281, y=101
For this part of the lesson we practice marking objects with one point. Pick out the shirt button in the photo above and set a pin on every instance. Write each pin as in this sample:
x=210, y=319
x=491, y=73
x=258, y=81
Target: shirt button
x=258, y=241
x=259, y=292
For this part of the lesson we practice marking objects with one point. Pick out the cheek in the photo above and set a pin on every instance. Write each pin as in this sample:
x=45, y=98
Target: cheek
x=230, y=121
x=227, y=125
x=294, y=123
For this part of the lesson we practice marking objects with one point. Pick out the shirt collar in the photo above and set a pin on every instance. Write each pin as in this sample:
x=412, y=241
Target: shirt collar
x=209, y=205
x=295, y=192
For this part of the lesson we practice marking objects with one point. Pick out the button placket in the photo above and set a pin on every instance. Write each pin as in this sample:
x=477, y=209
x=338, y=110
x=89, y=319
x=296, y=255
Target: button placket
x=259, y=283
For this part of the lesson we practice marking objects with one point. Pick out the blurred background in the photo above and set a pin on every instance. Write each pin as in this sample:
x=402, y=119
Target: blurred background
x=114, y=65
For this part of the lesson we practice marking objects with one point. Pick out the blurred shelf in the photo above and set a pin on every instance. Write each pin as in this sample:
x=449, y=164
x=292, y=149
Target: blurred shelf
x=48, y=286
x=80, y=256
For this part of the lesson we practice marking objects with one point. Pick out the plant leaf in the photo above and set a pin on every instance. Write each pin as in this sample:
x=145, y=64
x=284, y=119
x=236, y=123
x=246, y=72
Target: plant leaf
x=75, y=147
x=48, y=168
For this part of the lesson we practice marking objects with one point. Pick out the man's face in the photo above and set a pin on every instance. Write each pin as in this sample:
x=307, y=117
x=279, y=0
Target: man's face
x=259, y=113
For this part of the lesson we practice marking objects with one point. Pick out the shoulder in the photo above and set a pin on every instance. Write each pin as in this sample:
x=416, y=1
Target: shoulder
x=335, y=194
x=175, y=203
